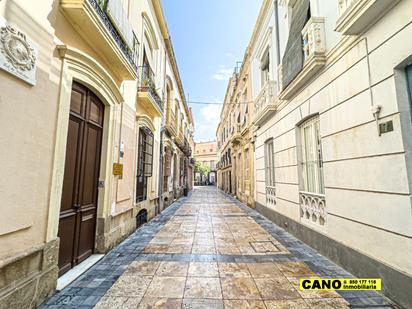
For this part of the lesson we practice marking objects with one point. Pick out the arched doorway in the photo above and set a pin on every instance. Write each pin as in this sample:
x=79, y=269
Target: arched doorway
x=141, y=218
x=77, y=221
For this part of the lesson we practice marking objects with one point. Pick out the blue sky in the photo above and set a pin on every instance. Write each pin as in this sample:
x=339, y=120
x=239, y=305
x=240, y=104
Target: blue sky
x=209, y=37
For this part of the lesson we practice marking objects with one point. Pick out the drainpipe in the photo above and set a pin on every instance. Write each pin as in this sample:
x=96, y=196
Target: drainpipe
x=160, y=188
x=162, y=132
x=276, y=5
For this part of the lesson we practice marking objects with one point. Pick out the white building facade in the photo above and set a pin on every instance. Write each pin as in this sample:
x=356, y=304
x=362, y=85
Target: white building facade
x=332, y=94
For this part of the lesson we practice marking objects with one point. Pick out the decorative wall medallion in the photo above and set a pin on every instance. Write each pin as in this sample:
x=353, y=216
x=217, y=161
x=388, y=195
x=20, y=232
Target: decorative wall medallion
x=18, y=54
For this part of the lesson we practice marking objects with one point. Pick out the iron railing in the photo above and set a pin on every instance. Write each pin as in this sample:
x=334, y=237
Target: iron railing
x=147, y=84
x=100, y=8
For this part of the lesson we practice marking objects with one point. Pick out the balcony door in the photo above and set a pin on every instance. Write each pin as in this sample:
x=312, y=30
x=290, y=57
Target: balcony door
x=77, y=222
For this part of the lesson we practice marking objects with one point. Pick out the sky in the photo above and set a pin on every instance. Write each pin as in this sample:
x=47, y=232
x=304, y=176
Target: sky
x=209, y=37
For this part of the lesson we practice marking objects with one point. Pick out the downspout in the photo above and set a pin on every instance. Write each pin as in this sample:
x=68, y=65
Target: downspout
x=162, y=130
x=276, y=4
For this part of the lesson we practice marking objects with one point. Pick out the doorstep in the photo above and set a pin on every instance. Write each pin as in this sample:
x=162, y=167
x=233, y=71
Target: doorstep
x=77, y=271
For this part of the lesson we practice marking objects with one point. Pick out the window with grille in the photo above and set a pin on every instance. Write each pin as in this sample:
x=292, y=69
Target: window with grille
x=264, y=67
x=270, y=173
x=312, y=164
x=269, y=163
x=144, y=163
x=247, y=164
x=181, y=171
x=167, y=169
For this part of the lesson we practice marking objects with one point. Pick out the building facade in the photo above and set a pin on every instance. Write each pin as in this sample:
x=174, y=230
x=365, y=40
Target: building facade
x=85, y=148
x=206, y=154
x=178, y=134
x=331, y=85
x=225, y=169
x=235, y=136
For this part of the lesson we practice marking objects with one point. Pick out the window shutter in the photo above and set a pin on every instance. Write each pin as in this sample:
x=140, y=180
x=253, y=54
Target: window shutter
x=167, y=163
x=148, y=166
x=292, y=61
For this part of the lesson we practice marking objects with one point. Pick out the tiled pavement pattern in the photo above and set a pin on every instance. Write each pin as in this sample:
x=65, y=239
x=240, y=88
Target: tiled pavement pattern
x=210, y=251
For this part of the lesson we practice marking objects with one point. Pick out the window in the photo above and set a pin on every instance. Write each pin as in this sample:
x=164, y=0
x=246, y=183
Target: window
x=167, y=169
x=144, y=163
x=269, y=163
x=181, y=171
x=312, y=165
x=264, y=67
x=247, y=164
x=270, y=173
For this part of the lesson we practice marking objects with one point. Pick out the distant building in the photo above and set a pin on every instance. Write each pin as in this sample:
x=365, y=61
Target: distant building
x=206, y=153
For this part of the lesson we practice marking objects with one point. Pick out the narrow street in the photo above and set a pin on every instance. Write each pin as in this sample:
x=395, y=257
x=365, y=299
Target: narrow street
x=209, y=251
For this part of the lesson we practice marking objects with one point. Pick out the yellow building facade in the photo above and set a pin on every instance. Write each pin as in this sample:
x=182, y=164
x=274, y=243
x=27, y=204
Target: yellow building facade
x=235, y=137
x=82, y=92
x=206, y=154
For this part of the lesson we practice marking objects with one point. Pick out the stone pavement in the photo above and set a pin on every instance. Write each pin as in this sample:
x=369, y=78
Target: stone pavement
x=210, y=251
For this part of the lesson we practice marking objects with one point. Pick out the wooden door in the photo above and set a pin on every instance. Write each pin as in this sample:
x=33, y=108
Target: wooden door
x=79, y=197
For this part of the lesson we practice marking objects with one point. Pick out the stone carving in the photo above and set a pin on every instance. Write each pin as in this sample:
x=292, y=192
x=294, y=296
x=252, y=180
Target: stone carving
x=16, y=49
x=313, y=208
x=270, y=196
x=344, y=4
x=313, y=38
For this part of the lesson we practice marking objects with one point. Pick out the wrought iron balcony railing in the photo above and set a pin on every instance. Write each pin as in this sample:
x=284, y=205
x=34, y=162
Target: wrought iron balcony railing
x=147, y=84
x=129, y=52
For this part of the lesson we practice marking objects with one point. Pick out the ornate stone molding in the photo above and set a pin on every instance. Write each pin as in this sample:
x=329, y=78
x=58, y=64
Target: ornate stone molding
x=270, y=196
x=14, y=45
x=313, y=209
x=18, y=55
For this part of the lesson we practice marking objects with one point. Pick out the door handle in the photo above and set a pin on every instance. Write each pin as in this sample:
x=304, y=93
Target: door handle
x=76, y=206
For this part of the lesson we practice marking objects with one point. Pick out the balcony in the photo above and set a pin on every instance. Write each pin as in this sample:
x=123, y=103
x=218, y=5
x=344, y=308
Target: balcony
x=266, y=102
x=107, y=31
x=171, y=123
x=357, y=15
x=314, y=52
x=237, y=135
x=148, y=98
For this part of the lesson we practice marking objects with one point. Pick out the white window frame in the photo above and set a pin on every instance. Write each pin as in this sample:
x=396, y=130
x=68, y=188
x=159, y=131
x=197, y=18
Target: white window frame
x=270, y=181
x=269, y=163
x=312, y=162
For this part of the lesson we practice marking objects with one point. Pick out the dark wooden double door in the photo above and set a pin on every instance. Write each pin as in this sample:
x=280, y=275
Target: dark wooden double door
x=77, y=222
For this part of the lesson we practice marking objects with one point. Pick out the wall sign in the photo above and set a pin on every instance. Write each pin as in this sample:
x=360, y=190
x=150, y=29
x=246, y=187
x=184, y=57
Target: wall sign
x=18, y=54
x=118, y=169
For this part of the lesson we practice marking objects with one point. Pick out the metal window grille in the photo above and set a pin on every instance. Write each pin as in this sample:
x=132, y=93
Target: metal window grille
x=312, y=163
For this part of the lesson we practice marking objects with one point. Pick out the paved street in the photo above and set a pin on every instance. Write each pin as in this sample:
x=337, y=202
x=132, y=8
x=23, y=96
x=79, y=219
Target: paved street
x=209, y=251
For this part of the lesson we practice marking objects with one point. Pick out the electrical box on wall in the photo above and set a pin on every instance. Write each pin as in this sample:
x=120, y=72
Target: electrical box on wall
x=386, y=127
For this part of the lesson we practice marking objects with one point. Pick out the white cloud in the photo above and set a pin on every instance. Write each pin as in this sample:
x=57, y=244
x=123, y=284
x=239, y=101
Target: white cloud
x=206, y=124
x=223, y=74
